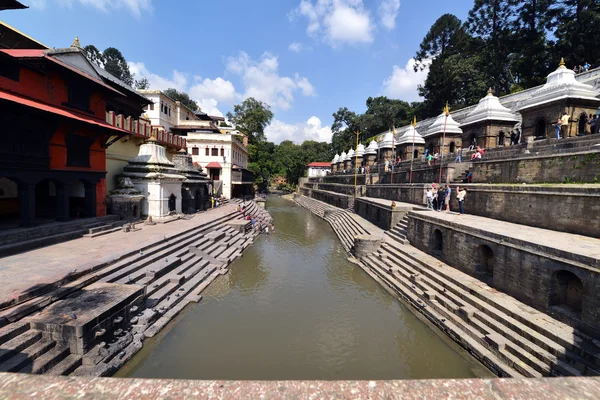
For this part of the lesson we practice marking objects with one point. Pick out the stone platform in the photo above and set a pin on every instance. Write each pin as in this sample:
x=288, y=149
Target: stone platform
x=21, y=387
x=50, y=267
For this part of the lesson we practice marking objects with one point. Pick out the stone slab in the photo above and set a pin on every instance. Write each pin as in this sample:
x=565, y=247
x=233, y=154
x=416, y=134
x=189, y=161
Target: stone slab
x=24, y=386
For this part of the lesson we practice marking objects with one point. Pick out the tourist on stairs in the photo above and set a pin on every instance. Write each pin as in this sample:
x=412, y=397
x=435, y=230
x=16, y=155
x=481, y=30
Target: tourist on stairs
x=429, y=197
x=447, y=198
x=462, y=192
x=441, y=196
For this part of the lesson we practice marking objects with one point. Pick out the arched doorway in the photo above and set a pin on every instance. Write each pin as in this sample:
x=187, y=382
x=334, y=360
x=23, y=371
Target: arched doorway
x=484, y=262
x=452, y=147
x=416, y=154
x=540, y=127
x=76, y=199
x=437, y=243
x=566, y=291
x=501, y=137
x=172, y=203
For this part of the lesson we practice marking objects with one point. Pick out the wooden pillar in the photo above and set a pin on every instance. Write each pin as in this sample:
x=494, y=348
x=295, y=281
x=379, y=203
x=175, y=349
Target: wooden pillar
x=27, y=204
x=90, y=200
x=62, y=201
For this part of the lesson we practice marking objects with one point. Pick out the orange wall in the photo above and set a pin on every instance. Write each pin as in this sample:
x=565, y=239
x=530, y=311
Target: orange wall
x=51, y=89
x=58, y=151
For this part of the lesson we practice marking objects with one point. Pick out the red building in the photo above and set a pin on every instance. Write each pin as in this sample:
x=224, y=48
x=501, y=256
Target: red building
x=54, y=134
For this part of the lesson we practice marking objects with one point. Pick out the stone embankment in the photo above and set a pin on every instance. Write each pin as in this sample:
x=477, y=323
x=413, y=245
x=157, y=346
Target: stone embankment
x=91, y=326
x=509, y=337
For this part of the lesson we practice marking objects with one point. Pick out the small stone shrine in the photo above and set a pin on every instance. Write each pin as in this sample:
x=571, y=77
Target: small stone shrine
x=410, y=143
x=561, y=94
x=371, y=153
x=156, y=178
x=194, y=191
x=444, y=133
x=489, y=124
x=125, y=200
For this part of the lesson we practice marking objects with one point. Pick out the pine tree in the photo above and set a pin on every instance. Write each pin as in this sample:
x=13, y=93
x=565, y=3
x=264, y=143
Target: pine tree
x=578, y=31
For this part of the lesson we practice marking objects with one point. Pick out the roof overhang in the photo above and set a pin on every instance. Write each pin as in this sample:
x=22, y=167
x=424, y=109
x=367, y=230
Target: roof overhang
x=11, y=5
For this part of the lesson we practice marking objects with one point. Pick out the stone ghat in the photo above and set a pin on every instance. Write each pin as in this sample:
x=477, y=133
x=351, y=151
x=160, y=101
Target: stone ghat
x=565, y=208
x=93, y=325
x=21, y=387
x=336, y=199
x=509, y=337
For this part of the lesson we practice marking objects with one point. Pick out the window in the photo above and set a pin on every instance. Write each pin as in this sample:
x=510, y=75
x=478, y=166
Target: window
x=78, y=150
x=195, y=151
x=215, y=152
x=10, y=70
x=207, y=152
x=151, y=106
x=169, y=111
x=222, y=152
x=79, y=97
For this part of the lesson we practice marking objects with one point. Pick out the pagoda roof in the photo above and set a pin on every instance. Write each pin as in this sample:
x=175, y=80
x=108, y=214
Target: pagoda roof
x=11, y=5
x=489, y=109
x=410, y=135
x=443, y=124
x=560, y=84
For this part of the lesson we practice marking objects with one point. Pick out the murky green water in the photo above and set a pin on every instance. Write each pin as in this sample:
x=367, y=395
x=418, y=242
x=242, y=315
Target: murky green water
x=293, y=308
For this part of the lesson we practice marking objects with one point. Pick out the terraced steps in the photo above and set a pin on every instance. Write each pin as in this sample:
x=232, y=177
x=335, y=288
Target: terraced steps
x=529, y=342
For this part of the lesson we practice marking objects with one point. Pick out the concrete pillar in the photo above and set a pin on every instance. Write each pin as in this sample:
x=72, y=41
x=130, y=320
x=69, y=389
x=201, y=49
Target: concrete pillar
x=90, y=200
x=365, y=245
x=62, y=201
x=27, y=204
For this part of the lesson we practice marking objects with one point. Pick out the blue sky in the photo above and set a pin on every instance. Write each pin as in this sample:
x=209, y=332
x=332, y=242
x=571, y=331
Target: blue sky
x=306, y=58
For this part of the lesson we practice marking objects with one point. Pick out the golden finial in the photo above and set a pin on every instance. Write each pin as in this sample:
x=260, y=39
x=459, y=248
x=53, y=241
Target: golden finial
x=447, y=110
x=76, y=42
x=152, y=138
x=490, y=92
x=414, y=124
x=562, y=64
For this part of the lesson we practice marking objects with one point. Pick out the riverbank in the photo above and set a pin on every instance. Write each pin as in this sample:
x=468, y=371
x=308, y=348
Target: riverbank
x=92, y=323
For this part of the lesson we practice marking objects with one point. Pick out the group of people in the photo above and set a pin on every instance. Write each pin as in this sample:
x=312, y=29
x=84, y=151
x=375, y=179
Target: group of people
x=562, y=124
x=582, y=68
x=438, y=199
x=261, y=226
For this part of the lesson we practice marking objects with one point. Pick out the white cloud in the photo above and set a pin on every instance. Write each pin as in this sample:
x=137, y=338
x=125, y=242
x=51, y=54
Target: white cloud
x=295, y=47
x=262, y=81
x=388, y=11
x=206, y=92
x=403, y=82
x=136, y=7
x=177, y=81
x=312, y=129
x=337, y=21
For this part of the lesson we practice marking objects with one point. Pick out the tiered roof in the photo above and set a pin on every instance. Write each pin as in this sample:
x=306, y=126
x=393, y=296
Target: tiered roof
x=489, y=109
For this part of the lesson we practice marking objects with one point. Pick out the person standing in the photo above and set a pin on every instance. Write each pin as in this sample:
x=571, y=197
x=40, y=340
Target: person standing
x=594, y=124
x=429, y=158
x=564, y=124
x=441, y=196
x=429, y=197
x=462, y=192
x=458, y=155
x=557, y=127
x=447, y=198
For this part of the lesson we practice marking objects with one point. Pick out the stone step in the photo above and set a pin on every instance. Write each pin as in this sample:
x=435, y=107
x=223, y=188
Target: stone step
x=447, y=321
x=539, y=344
x=46, y=361
x=17, y=344
x=103, y=232
x=26, y=356
x=549, y=333
x=66, y=366
x=13, y=330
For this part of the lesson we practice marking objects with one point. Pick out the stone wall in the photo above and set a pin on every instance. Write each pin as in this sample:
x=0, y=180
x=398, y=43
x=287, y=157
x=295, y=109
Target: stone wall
x=335, y=199
x=407, y=193
x=578, y=167
x=530, y=273
x=419, y=175
x=382, y=215
x=565, y=208
x=343, y=189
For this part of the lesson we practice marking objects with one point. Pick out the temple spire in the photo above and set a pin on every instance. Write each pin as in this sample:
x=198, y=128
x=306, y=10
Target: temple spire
x=562, y=63
x=76, y=43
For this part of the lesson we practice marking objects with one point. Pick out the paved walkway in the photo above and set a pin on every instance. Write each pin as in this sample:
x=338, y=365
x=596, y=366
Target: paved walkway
x=21, y=272
x=388, y=203
x=565, y=242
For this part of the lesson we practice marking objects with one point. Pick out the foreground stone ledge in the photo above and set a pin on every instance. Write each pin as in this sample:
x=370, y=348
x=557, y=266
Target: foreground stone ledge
x=23, y=386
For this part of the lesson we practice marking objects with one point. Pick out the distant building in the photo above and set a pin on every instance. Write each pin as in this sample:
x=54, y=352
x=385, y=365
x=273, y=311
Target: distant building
x=316, y=169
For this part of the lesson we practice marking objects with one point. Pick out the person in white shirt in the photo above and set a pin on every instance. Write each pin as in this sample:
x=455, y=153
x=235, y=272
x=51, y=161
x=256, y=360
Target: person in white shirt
x=429, y=197
x=462, y=192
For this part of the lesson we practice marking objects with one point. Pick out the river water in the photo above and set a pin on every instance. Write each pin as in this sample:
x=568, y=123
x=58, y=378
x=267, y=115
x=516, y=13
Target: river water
x=292, y=307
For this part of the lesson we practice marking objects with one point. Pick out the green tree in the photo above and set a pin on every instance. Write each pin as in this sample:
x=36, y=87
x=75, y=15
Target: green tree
x=491, y=21
x=577, y=32
x=142, y=84
x=345, y=123
x=251, y=117
x=94, y=55
x=115, y=64
x=183, y=97
x=445, y=37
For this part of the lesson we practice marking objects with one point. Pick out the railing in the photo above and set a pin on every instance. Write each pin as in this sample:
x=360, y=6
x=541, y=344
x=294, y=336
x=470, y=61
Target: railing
x=143, y=128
